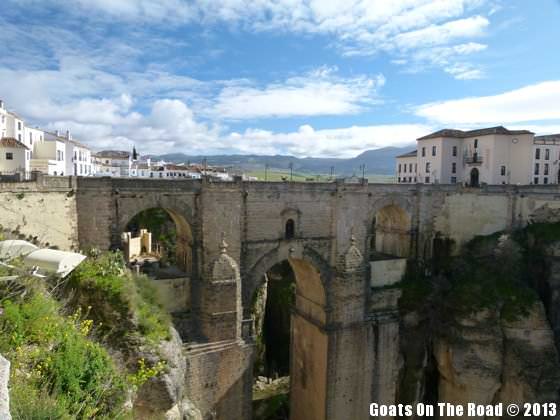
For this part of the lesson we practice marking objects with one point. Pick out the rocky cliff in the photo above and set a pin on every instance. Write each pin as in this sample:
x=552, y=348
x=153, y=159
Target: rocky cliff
x=480, y=327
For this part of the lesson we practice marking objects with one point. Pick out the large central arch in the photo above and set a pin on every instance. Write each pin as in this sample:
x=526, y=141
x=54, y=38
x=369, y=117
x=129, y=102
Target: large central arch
x=309, y=340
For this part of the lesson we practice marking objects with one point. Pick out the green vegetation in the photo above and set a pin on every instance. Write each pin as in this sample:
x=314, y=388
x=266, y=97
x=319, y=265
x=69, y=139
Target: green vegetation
x=276, y=175
x=279, y=175
x=416, y=288
x=60, y=337
x=123, y=305
x=57, y=369
x=494, y=272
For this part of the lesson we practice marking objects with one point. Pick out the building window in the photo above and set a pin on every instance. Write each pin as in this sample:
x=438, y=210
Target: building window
x=475, y=143
x=454, y=150
x=537, y=153
x=31, y=138
x=546, y=169
x=545, y=180
x=399, y=179
x=290, y=229
x=428, y=167
x=453, y=179
x=9, y=156
x=454, y=168
x=423, y=151
x=427, y=180
x=19, y=137
x=415, y=167
x=399, y=168
x=547, y=154
x=433, y=150
x=536, y=180
x=410, y=179
x=410, y=167
x=502, y=170
x=536, y=168
x=19, y=125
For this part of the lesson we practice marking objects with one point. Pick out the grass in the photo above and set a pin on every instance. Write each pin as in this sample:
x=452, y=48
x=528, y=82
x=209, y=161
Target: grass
x=277, y=175
x=58, y=371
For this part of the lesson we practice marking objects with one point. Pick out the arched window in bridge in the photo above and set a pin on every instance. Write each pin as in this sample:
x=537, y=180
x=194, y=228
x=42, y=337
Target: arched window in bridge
x=290, y=229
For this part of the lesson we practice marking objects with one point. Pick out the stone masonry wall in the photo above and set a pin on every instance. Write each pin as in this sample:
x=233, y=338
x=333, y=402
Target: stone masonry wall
x=45, y=210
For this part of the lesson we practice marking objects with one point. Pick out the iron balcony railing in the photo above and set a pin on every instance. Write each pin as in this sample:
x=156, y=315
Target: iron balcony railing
x=473, y=159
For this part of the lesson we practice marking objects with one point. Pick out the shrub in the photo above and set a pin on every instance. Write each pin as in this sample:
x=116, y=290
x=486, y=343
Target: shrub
x=57, y=370
x=122, y=305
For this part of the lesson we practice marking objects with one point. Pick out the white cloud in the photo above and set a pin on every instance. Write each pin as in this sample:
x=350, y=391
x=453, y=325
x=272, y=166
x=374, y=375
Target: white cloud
x=339, y=142
x=531, y=103
x=320, y=92
x=357, y=27
x=442, y=34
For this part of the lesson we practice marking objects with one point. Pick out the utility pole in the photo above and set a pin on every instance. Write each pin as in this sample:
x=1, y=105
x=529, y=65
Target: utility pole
x=291, y=171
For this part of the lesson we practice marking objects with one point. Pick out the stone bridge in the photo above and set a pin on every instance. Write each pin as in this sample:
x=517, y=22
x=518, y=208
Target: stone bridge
x=344, y=329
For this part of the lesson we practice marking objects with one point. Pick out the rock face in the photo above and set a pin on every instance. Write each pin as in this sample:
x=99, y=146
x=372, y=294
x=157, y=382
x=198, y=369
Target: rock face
x=4, y=395
x=469, y=360
x=482, y=359
x=164, y=397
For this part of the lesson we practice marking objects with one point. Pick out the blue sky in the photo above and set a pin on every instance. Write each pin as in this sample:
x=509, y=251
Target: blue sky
x=301, y=77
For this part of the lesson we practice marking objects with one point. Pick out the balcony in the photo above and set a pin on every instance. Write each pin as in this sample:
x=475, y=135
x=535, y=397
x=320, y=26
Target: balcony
x=473, y=159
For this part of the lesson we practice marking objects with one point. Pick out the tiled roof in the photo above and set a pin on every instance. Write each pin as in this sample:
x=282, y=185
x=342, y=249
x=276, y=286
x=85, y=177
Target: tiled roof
x=11, y=142
x=409, y=154
x=446, y=132
x=114, y=154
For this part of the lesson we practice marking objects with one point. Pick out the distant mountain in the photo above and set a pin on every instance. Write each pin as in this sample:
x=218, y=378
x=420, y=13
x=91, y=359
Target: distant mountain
x=378, y=161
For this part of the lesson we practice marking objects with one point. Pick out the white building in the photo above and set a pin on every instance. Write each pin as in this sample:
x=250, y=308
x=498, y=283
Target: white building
x=116, y=163
x=407, y=167
x=78, y=159
x=49, y=157
x=493, y=155
x=14, y=156
x=46, y=152
x=546, y=158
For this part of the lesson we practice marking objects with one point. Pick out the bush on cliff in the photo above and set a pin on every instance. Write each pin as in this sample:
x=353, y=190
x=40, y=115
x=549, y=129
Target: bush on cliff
x=67, y=340
x=491, y=272
x=58, y=370
x=123, y=305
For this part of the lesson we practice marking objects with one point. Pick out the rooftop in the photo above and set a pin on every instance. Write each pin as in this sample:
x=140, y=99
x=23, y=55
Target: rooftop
x=548, y=137
x=64, y=138
x=460, y=134
x=113, y=154
x=408, y=154
x=11, y=142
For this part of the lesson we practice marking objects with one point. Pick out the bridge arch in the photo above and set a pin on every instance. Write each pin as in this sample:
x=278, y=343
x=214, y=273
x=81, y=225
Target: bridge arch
x=184, y=240
x=308, y=339
x=391, y=229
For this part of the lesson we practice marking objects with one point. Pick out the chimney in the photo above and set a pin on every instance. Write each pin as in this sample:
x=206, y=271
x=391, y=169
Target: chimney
x=68, y=135
x=1, y=104
x=57, y=133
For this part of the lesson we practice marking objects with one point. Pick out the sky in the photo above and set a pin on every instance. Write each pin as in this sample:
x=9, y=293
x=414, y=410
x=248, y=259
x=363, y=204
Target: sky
x=324, y=78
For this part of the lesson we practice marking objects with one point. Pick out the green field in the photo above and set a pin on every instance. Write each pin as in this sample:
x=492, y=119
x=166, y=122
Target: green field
x=275, y=175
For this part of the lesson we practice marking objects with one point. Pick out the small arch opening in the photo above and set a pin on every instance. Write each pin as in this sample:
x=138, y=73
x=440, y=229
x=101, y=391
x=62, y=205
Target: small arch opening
x=290, y=229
